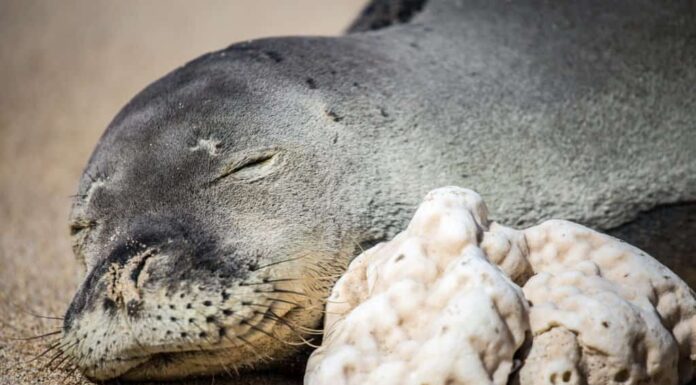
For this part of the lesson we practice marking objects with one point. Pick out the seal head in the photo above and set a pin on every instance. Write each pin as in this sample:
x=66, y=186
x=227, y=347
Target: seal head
x=200, y=221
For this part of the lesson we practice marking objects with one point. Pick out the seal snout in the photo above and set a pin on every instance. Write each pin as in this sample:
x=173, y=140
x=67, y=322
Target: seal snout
x=168, y=296
x=137, y=269
x=161, y=294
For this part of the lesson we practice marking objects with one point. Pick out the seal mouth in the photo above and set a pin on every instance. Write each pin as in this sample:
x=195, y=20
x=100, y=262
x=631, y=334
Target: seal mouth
x=200, y=361
x=193, y=360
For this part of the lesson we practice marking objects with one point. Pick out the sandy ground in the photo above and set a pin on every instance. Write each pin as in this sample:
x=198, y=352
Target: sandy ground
x=66, y=67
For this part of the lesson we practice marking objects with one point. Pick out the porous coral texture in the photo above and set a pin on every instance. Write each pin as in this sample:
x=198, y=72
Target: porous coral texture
x=435, y=306
x=649, y=310
x=424, y=308
x=616, y=341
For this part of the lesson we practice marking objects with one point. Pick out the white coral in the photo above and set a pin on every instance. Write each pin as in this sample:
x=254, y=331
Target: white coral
x=427, y=307
x=430, y=307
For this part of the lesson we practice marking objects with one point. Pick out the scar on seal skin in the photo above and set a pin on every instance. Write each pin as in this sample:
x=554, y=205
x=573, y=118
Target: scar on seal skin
x=222, y=202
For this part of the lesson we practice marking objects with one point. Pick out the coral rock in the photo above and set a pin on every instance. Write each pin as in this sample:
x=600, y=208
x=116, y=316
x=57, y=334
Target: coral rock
x=441, y=304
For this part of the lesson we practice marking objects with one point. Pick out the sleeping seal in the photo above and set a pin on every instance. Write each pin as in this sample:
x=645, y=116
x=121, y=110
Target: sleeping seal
x=222, y=202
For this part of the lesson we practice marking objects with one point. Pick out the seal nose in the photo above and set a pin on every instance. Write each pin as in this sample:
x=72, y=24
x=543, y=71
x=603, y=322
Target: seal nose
x=115, y=284
x=150, y=254
x=124, y=282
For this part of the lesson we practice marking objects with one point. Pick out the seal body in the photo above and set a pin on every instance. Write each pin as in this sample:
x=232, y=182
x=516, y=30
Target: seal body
x=223, y=200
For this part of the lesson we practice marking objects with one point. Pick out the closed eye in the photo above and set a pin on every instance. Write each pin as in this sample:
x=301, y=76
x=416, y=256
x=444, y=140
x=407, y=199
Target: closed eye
x=250, y=163
x=252, y=166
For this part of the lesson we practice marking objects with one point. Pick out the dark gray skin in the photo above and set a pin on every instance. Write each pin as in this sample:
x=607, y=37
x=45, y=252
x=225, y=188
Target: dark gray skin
x=223, y=200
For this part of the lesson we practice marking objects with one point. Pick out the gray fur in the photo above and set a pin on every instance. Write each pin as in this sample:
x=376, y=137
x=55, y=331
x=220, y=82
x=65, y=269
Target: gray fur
x=584, y=110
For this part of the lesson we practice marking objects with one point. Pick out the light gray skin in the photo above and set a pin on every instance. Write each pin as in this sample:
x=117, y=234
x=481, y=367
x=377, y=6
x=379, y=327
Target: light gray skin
x=223, y=200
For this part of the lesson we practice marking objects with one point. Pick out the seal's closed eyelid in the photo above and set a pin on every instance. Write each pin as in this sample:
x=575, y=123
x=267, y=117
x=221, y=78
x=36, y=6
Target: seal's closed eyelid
x=252, y=165
x=253, y=161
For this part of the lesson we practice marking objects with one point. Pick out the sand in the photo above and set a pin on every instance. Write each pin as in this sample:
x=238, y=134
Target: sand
x=65, y=69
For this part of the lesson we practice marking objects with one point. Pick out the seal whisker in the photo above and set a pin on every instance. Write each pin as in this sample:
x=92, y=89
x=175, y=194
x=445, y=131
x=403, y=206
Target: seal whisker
x=299, y=306
x=267, y=333
x=224, y=367
x=51, y=347
x=264, y=357
x=244, y=283
x=326, y=277
x=46, y=351
x=264, y=316
x=286, y=301
x=70, y=373
x=331, y=301
x=60, y=362
x=302, y=328
x=62, y=345
x=31, y=313
x=270, y=314
x=65, y=364
x=48, y=317
x=37, y=337
x=76, y=365
x=284, y=322
x=278, y=263
x=63, y=350
x=285, y=291
x=53, y=358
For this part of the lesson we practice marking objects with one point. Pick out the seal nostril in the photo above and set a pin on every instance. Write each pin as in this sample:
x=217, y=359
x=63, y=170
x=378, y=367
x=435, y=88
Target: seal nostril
x=139, y=268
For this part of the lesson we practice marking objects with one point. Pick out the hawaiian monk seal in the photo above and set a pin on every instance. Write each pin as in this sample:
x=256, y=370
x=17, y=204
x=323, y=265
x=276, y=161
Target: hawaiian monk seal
x=222, y=201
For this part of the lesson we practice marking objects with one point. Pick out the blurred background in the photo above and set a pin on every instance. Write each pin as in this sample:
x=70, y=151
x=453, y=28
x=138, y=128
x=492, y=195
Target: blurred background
x=66, y=68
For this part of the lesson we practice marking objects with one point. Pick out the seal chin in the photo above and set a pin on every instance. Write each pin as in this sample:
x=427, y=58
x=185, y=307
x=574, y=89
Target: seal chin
x=184, y=358
x=163, y=366
x=176, y=365
x=114, y=368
